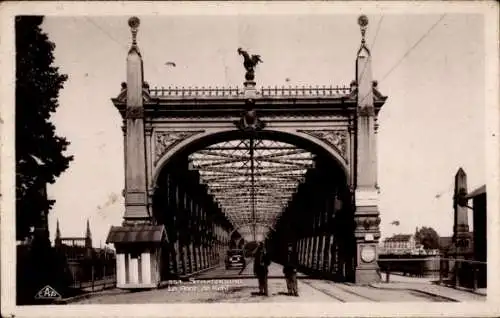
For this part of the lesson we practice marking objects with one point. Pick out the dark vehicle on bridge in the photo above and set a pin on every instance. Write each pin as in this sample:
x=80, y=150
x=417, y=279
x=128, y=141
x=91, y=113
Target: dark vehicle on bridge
x=235, y=258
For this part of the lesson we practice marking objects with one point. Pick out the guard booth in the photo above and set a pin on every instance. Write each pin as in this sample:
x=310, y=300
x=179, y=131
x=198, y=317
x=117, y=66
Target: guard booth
x=138, y=254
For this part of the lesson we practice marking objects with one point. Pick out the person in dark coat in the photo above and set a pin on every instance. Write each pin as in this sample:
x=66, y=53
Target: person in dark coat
x=260, y=268
x=290, y=271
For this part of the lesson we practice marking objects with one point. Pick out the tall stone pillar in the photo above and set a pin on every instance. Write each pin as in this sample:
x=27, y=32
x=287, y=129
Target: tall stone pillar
x=461, y=235
x=136, y=196
x=366, y=215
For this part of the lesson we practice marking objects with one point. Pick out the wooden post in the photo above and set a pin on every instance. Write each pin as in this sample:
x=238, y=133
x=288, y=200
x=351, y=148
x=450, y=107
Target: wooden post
x=457, y=273
x=440, y=270
x=93, y=276
x=475, y=277
x=104, y=273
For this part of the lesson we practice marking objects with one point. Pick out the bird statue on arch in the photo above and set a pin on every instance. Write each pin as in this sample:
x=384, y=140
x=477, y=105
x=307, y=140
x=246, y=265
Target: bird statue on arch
x=249, y=62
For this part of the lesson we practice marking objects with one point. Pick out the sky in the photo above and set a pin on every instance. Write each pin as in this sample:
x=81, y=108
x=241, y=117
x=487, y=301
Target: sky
x=432, y=123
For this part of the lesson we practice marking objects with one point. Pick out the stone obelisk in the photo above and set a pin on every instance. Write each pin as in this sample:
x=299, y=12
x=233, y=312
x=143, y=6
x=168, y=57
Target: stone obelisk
x=136, y=207
x=366, y=215
x=461, y=234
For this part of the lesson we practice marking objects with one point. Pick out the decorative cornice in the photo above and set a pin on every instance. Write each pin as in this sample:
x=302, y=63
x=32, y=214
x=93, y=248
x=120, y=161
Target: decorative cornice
x=122, y=97
x=165, y=140
x=148, y=130
x=366, y=111
x=336, y=138
x=134, y=113
x=367, y=223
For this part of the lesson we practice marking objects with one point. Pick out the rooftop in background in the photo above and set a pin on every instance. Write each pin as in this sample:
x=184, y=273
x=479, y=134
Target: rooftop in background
x=399, y=238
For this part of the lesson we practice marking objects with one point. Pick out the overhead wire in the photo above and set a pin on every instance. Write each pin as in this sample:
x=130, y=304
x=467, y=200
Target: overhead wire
x=407, y=53
x=125, y=46
x=414, y=46
x=100, y=209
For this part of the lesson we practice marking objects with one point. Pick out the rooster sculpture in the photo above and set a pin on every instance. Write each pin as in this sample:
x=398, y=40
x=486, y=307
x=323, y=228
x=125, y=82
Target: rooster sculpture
x=249, y=62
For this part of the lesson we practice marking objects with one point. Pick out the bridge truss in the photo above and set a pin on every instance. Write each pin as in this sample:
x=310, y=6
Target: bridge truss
x=252, y=179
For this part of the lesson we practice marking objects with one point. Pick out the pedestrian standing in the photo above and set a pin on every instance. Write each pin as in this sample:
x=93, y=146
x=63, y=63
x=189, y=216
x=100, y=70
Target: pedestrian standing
x=260, y=268
x=290, y=271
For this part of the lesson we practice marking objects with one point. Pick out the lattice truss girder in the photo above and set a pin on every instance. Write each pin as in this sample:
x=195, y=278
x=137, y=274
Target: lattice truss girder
x=252, y=187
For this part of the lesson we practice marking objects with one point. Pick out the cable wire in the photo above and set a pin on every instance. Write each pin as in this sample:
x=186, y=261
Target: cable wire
x=393, y=68
x=126, y=47
x=413, y=47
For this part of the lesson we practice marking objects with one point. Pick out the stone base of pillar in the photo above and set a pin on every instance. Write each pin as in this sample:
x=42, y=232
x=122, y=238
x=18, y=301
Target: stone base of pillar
x=366, y=275
x=250, y=91
x=367, y=270
x=249, y=84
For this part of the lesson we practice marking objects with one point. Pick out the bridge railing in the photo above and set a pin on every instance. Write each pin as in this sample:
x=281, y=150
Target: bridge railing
x=454, y=272
x=93, y=277
x=193, y=92
x=225, y=92
x=305, y=91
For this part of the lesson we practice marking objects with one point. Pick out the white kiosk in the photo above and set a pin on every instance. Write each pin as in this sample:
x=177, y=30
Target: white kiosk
x=138, y=254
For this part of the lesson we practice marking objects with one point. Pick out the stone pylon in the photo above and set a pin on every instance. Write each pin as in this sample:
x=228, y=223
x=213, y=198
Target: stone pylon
x=366, y=215
x=461, y=234
x=136, y=196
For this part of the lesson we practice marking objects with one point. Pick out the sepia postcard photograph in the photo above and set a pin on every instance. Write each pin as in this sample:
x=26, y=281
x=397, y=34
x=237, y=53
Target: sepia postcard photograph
x=249, y=159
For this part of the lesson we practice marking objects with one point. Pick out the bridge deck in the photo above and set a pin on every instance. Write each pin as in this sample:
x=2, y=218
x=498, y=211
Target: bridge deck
x=223, y=286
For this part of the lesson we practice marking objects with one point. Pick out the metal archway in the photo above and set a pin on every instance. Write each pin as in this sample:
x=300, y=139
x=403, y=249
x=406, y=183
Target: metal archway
x=246, y=224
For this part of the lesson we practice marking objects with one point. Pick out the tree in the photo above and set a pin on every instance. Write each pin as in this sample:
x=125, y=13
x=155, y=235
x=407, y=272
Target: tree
x=428, y=237
x=40, y=155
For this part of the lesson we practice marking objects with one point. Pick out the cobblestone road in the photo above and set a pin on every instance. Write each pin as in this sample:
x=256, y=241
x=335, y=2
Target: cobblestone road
x=228, y=286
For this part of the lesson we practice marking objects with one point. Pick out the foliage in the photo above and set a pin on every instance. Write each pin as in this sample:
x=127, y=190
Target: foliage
x=428, y=237
x=39, y=151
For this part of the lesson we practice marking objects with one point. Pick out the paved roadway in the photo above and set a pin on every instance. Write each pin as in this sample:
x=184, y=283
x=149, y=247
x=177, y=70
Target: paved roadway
x=227, y=286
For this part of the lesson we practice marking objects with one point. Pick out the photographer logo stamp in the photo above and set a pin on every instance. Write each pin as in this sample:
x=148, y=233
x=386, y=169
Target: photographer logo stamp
x=48, y=293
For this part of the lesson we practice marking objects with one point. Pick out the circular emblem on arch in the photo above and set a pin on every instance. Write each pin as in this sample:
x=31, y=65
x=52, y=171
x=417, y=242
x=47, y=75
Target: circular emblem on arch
x=368, y=254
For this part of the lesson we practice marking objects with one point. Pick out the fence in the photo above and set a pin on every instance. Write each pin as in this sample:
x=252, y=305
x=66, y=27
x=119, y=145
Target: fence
x=450, y=271
x=92, y=276
x=463, y=273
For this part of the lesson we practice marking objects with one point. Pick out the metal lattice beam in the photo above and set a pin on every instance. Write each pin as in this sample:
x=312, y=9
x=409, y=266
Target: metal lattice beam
x=252, y=179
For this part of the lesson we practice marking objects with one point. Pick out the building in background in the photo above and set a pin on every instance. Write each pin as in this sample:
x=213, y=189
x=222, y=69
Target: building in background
x=400, y=244
x=84, y=261
x=74, y=248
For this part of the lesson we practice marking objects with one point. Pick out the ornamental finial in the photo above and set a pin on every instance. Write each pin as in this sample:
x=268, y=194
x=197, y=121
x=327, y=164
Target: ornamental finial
x=363, y=24
x=134, y=23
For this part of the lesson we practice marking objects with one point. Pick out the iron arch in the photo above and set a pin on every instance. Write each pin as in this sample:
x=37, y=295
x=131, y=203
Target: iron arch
x=200, y=140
